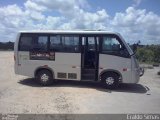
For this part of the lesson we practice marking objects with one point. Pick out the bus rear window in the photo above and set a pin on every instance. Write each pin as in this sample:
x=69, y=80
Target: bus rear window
x=25, y=43
x=30, y=42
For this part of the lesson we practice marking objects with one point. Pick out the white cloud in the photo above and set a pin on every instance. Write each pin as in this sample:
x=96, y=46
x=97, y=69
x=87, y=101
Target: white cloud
x=138, y=25
x=136, y=3
x=87, y=20
x=134, y=24
x=14, y=18
x=33, y=6
x=67, y=7
x=51, y=23
x=11, y=10
x=37, y=16
x=11, y=18
x=72, y=15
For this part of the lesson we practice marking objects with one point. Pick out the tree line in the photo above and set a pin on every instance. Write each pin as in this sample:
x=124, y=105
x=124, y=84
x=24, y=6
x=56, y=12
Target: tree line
x=148, y=53
x=6, y=45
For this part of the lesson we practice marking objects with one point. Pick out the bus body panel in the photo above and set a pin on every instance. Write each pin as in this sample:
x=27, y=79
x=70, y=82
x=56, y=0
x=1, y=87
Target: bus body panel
x=16, y=54
x=115, y=63
x=135, y=70
x=70, y=65
x=28, y=67
x=126, y=67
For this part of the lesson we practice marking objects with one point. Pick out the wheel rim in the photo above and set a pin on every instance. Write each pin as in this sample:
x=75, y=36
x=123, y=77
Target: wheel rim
x=44, y=77
x=109, y=80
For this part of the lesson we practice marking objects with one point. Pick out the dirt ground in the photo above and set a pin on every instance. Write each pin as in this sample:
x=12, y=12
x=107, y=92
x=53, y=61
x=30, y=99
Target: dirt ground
x=19, y=94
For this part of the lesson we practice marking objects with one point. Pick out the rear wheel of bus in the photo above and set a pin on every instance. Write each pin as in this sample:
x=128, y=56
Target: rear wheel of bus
x=44, y=77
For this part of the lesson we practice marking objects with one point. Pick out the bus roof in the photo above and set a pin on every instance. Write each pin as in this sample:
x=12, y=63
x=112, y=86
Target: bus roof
x=71, y=32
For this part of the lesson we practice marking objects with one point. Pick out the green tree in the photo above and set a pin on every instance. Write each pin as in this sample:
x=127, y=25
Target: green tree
x=145, y=55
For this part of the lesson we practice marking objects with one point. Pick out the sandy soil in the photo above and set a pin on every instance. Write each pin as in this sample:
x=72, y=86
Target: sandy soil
x=19, y=94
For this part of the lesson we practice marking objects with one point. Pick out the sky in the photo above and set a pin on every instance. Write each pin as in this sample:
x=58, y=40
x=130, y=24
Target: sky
x=134, y=19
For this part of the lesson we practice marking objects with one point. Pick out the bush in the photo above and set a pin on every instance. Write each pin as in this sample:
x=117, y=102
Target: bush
x=145, y=55
x=149, y=54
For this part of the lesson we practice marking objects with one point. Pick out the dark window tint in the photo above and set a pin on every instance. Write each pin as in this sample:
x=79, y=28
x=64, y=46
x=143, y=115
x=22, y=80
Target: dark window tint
x=70, y=43
x=55, y=43
x=64, y=43
x=97, y=39
x=110, y=44
x=91, y=43
x=26, y=43
x=33, y=42
x=40, y=44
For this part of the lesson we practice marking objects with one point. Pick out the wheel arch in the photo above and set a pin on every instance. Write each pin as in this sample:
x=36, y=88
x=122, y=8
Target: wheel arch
x=44, y=68
x=111, y=71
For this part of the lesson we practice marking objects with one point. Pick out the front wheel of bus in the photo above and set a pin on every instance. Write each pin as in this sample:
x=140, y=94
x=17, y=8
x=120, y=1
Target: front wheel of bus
x=110, y=80
x=44, y=77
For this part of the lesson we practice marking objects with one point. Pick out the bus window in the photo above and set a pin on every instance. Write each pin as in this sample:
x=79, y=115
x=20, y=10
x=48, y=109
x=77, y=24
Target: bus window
x=70, y=43
x=29, y=42
x=111, y=45
x=55, y=43
x=42, y=43
x=97, y=39
x=91, y=43
x=25, y=43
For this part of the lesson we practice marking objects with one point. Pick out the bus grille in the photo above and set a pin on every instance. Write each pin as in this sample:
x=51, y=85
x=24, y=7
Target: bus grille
x=62, y=75
x=72, y=76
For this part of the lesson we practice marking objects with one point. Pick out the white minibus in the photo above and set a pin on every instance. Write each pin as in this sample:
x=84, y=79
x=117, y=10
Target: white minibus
x=100, y=56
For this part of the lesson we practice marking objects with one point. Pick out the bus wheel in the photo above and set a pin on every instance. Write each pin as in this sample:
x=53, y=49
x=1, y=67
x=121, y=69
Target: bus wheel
x=110, y=80
x=44, y=77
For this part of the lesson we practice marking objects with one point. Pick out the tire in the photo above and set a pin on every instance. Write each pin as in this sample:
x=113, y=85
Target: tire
x=44, y=77
x=110, y=80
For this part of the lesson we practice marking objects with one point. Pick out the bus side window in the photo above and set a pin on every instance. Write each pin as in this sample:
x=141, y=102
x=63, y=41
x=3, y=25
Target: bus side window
x=55, y=43
x=25, y=43
x=91, y=43
x=39, y=44
x=64, y=43
x=42, y=43
x=70, y=43
x=111, y=45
